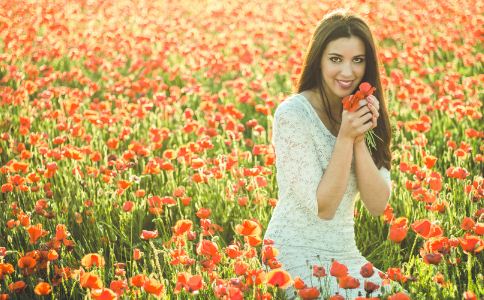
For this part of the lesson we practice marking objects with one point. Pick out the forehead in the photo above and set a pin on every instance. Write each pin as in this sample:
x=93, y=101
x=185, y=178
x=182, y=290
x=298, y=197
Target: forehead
x=344, y=46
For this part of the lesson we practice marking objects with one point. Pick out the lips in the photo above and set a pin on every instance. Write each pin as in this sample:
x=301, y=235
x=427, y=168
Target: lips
x=345, y=84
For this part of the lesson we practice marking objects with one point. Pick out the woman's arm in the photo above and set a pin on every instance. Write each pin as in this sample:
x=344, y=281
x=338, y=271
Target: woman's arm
x=334, y=181
x=374, y=190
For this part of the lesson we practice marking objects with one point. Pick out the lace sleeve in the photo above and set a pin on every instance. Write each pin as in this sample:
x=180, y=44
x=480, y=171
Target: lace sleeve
x=386, y=175
x=298, y=171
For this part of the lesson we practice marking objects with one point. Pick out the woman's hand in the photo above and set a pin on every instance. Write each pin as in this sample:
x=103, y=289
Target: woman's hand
x=354, y=124
x=374, y=106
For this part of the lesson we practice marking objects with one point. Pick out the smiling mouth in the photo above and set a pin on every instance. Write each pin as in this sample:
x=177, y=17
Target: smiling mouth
x=345, y=83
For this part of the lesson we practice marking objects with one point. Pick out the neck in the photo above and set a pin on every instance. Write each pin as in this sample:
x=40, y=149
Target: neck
x=335, y=106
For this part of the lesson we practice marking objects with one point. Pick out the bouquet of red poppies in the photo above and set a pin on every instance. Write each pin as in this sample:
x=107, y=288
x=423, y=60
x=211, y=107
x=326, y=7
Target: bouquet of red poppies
x=352, y=103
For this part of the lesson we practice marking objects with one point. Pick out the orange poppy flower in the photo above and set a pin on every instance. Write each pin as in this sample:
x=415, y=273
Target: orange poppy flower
x=348, y=282
x=17, y=286
x=92, y=259
x=255, y=277
x=36, y=232
x=153, y=286
x=299, y=283
x=26, y=262
x=137, y=254
x=398, y=230
x=471, y=243
x=469, y=295
x=422, y=227
x=207, y=248
x=233, y=251
x=338, y=270
x=269, y=252
x=248, y=228
x=90, y=280
x=118, y=286
x=241, y=267
x=253, y=240
x=190, y=283
x=399, y=296
x=104, y=294
x=467, y=224
x=42, y=289
x=138, y=280
x=203, y=213
x=148, y=235
x=5, y=269
x=279, y=278
x=124, y=184
x=309, y=293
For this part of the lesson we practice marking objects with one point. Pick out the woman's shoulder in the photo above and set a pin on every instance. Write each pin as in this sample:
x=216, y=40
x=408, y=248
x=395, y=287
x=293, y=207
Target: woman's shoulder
x=291, y=105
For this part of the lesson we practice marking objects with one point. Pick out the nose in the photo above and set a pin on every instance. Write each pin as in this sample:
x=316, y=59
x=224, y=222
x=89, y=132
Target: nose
x=347, y=69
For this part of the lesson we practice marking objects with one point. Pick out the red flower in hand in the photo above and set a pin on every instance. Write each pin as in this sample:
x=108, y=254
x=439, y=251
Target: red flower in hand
x=352, y=102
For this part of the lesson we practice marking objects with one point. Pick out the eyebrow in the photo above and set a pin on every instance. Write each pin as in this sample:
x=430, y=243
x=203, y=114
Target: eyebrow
x=336, y=54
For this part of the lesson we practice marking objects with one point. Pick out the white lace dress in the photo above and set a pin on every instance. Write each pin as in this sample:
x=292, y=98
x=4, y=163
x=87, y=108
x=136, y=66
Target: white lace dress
x=303, y=147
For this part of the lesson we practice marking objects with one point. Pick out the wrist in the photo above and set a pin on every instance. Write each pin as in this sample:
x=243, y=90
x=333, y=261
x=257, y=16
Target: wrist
x=345, y=140
x=360, y=145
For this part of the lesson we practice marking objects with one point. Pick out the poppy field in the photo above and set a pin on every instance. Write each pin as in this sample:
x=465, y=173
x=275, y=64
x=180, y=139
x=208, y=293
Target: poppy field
x=136, y=158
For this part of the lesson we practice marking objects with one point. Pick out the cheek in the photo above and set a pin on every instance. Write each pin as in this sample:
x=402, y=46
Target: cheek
x=329, y=71
x=360, y=69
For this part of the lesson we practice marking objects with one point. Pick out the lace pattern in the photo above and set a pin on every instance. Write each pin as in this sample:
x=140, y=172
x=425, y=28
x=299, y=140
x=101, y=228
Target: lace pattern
x=303, y=148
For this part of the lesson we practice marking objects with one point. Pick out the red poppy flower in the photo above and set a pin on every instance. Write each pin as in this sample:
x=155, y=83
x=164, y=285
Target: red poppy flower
x=338, y=270
x=468, y=295
x=309, y=293
x=17, y=286
x=348, y=282
x=182, y=226
x=422, y=227
x=367, y=270
x=104, y=294
x=153, y=286
x=370, y=287
x=319, y=271
x=42, y=289
x=471, y=243
x=398, y=230
x=337, y=297
x=248, y=228
x=138, y=280
x=467, y=224
x=279, y=278
x=399, y=296
x=299, y=283
x=148, y=235
x=92, y=259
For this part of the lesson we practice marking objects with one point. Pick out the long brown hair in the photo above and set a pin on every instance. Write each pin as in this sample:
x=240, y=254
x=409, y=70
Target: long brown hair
x=335, y=25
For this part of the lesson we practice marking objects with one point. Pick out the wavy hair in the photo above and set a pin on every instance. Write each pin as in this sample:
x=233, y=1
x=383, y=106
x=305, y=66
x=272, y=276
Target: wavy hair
x=341, y=24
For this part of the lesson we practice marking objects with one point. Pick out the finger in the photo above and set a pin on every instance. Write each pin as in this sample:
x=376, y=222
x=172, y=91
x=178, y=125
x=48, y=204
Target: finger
x=374, y=101
x=363, y=102
x=363, y=111
x=374, y=122
x=365, y=127
x=374, y=110
x=363, y=120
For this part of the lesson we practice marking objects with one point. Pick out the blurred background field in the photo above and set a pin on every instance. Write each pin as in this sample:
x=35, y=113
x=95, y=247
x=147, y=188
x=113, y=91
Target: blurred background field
x=136, y=157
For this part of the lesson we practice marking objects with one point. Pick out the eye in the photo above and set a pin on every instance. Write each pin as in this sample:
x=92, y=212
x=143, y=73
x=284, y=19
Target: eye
x=335, y=59
x=359, y=60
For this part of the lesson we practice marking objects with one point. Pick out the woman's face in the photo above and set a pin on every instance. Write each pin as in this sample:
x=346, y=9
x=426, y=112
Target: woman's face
x=343, y=66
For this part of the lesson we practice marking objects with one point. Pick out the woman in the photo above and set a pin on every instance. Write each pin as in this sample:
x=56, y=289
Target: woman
x=322, y=160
